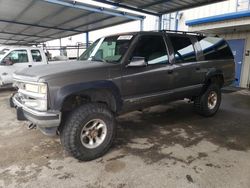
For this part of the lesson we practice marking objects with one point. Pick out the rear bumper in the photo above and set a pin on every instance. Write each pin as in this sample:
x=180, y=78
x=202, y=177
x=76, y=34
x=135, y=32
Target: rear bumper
x=41, y=119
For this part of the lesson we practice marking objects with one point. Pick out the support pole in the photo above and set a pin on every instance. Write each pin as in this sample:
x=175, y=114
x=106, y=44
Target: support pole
x=141, y=25
x=160, y=23
x=87, y=39
x=60, y=44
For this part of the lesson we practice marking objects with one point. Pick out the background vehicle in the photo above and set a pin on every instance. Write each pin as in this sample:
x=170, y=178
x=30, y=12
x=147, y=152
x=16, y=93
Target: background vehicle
x=13, y=58
x=117, y=74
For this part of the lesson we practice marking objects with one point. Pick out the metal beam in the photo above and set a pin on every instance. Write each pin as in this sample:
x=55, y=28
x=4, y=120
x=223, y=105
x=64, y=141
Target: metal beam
x=87, y=7
x=21, y=13
x=41, y=26
x=189, y=6
x=25, y=35
x=46, y=17
x=86, y=24
x=65, y=22
x=128, y=7
x=13, y=40
x=153, y=3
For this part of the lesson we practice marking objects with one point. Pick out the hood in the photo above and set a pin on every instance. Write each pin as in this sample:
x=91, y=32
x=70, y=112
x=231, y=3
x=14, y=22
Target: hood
x=55, y=69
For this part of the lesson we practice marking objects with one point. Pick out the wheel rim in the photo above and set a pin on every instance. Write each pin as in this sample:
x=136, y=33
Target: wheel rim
x=212, y=100
x=93, y=133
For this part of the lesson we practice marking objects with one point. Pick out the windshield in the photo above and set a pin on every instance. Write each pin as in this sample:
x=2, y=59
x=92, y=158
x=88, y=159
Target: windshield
x=3, y=52
x=108, y=49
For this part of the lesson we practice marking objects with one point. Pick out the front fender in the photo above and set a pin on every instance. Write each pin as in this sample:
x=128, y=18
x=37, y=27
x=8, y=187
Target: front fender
x=68, y=90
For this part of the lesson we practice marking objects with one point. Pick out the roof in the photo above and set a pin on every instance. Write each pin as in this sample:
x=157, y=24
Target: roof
x=217, y=18
x=158, y=7
x=159, y=31
x=37, y=21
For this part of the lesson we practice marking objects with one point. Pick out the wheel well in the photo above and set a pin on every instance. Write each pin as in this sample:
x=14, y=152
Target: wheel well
x=218, y=79
x=94, y=95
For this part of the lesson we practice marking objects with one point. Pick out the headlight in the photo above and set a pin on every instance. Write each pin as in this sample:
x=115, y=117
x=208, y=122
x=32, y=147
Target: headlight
x=36, y=88
x=34, y=95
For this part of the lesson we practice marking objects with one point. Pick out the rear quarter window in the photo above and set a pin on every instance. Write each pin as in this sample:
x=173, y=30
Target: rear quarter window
x=215, y=48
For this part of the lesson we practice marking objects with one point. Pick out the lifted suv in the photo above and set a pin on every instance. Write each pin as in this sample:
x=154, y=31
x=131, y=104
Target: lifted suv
x=117, y=74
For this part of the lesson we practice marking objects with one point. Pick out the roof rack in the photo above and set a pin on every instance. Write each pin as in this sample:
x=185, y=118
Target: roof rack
x=184, y=32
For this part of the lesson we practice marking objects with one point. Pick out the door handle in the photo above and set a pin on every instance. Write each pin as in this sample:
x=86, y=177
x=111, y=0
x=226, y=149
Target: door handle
x=29, y=65
x=197, y=68
x=170, y=71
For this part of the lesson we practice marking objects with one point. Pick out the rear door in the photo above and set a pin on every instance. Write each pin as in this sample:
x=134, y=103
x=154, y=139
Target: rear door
x=186, y=70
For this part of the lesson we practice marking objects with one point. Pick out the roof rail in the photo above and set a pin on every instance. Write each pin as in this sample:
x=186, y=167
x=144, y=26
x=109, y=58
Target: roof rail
x=184, y=32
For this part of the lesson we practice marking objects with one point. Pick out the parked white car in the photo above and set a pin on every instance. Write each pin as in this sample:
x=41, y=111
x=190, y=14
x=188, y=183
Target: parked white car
x=13, y=58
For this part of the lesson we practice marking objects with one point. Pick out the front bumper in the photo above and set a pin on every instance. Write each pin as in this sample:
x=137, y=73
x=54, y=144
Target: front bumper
x=42, y=120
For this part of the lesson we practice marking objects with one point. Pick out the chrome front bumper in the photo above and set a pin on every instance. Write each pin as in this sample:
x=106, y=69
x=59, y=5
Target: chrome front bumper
x=41, y=119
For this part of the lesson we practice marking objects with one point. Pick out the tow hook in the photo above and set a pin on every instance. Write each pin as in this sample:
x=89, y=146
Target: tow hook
x=31, y=126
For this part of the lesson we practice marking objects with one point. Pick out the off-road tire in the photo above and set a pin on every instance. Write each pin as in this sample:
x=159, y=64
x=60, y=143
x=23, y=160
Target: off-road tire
x=201, y=102
x=71, y=131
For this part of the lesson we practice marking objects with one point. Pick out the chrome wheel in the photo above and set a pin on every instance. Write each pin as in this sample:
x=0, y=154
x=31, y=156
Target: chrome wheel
x=212, y=100
x=93, y=133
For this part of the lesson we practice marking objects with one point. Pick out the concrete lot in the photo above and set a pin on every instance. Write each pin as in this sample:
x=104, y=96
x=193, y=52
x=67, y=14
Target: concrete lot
x=164, y=146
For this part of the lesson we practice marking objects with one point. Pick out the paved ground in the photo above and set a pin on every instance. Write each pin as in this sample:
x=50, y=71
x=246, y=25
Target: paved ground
x=164, y=146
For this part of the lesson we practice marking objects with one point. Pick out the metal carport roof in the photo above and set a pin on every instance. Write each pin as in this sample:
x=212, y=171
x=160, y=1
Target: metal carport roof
x=37, y=21
x=158, y=7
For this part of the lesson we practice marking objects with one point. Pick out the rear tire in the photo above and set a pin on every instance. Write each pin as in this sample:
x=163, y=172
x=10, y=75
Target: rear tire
x=208, y=103
x=89, y=131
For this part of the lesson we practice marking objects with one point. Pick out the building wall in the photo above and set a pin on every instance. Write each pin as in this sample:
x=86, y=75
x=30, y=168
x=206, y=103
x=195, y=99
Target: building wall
x=206, y=11
x=245, y=71
x=217, y=9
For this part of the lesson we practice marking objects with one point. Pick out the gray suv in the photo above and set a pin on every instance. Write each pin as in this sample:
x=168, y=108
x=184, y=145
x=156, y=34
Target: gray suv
x=118, y=74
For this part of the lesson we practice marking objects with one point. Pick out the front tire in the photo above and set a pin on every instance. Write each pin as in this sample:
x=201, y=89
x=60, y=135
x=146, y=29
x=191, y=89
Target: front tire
x=208, y=103
x=89, y=131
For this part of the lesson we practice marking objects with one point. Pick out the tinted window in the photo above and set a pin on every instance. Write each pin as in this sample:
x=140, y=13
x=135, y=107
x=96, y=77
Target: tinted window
x=18, y=56
x=183, y=49
x=36, y=55
x=152, y=48
x=215, y=48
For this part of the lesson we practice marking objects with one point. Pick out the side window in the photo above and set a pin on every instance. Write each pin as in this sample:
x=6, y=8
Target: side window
x=152, y=48
x=183, y=49
x=36, y=55
x=18, y=56
x=215, y=48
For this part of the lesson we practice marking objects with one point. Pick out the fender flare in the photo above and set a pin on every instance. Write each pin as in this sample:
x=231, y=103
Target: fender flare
x=212, y=73
x=71, y=89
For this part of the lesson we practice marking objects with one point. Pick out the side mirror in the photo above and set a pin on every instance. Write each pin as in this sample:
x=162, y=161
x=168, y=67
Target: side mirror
x=138, y=62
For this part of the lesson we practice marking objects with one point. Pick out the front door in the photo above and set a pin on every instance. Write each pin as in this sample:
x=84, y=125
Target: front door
x=14, y=61
x=238, y=47
x=145, y=84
